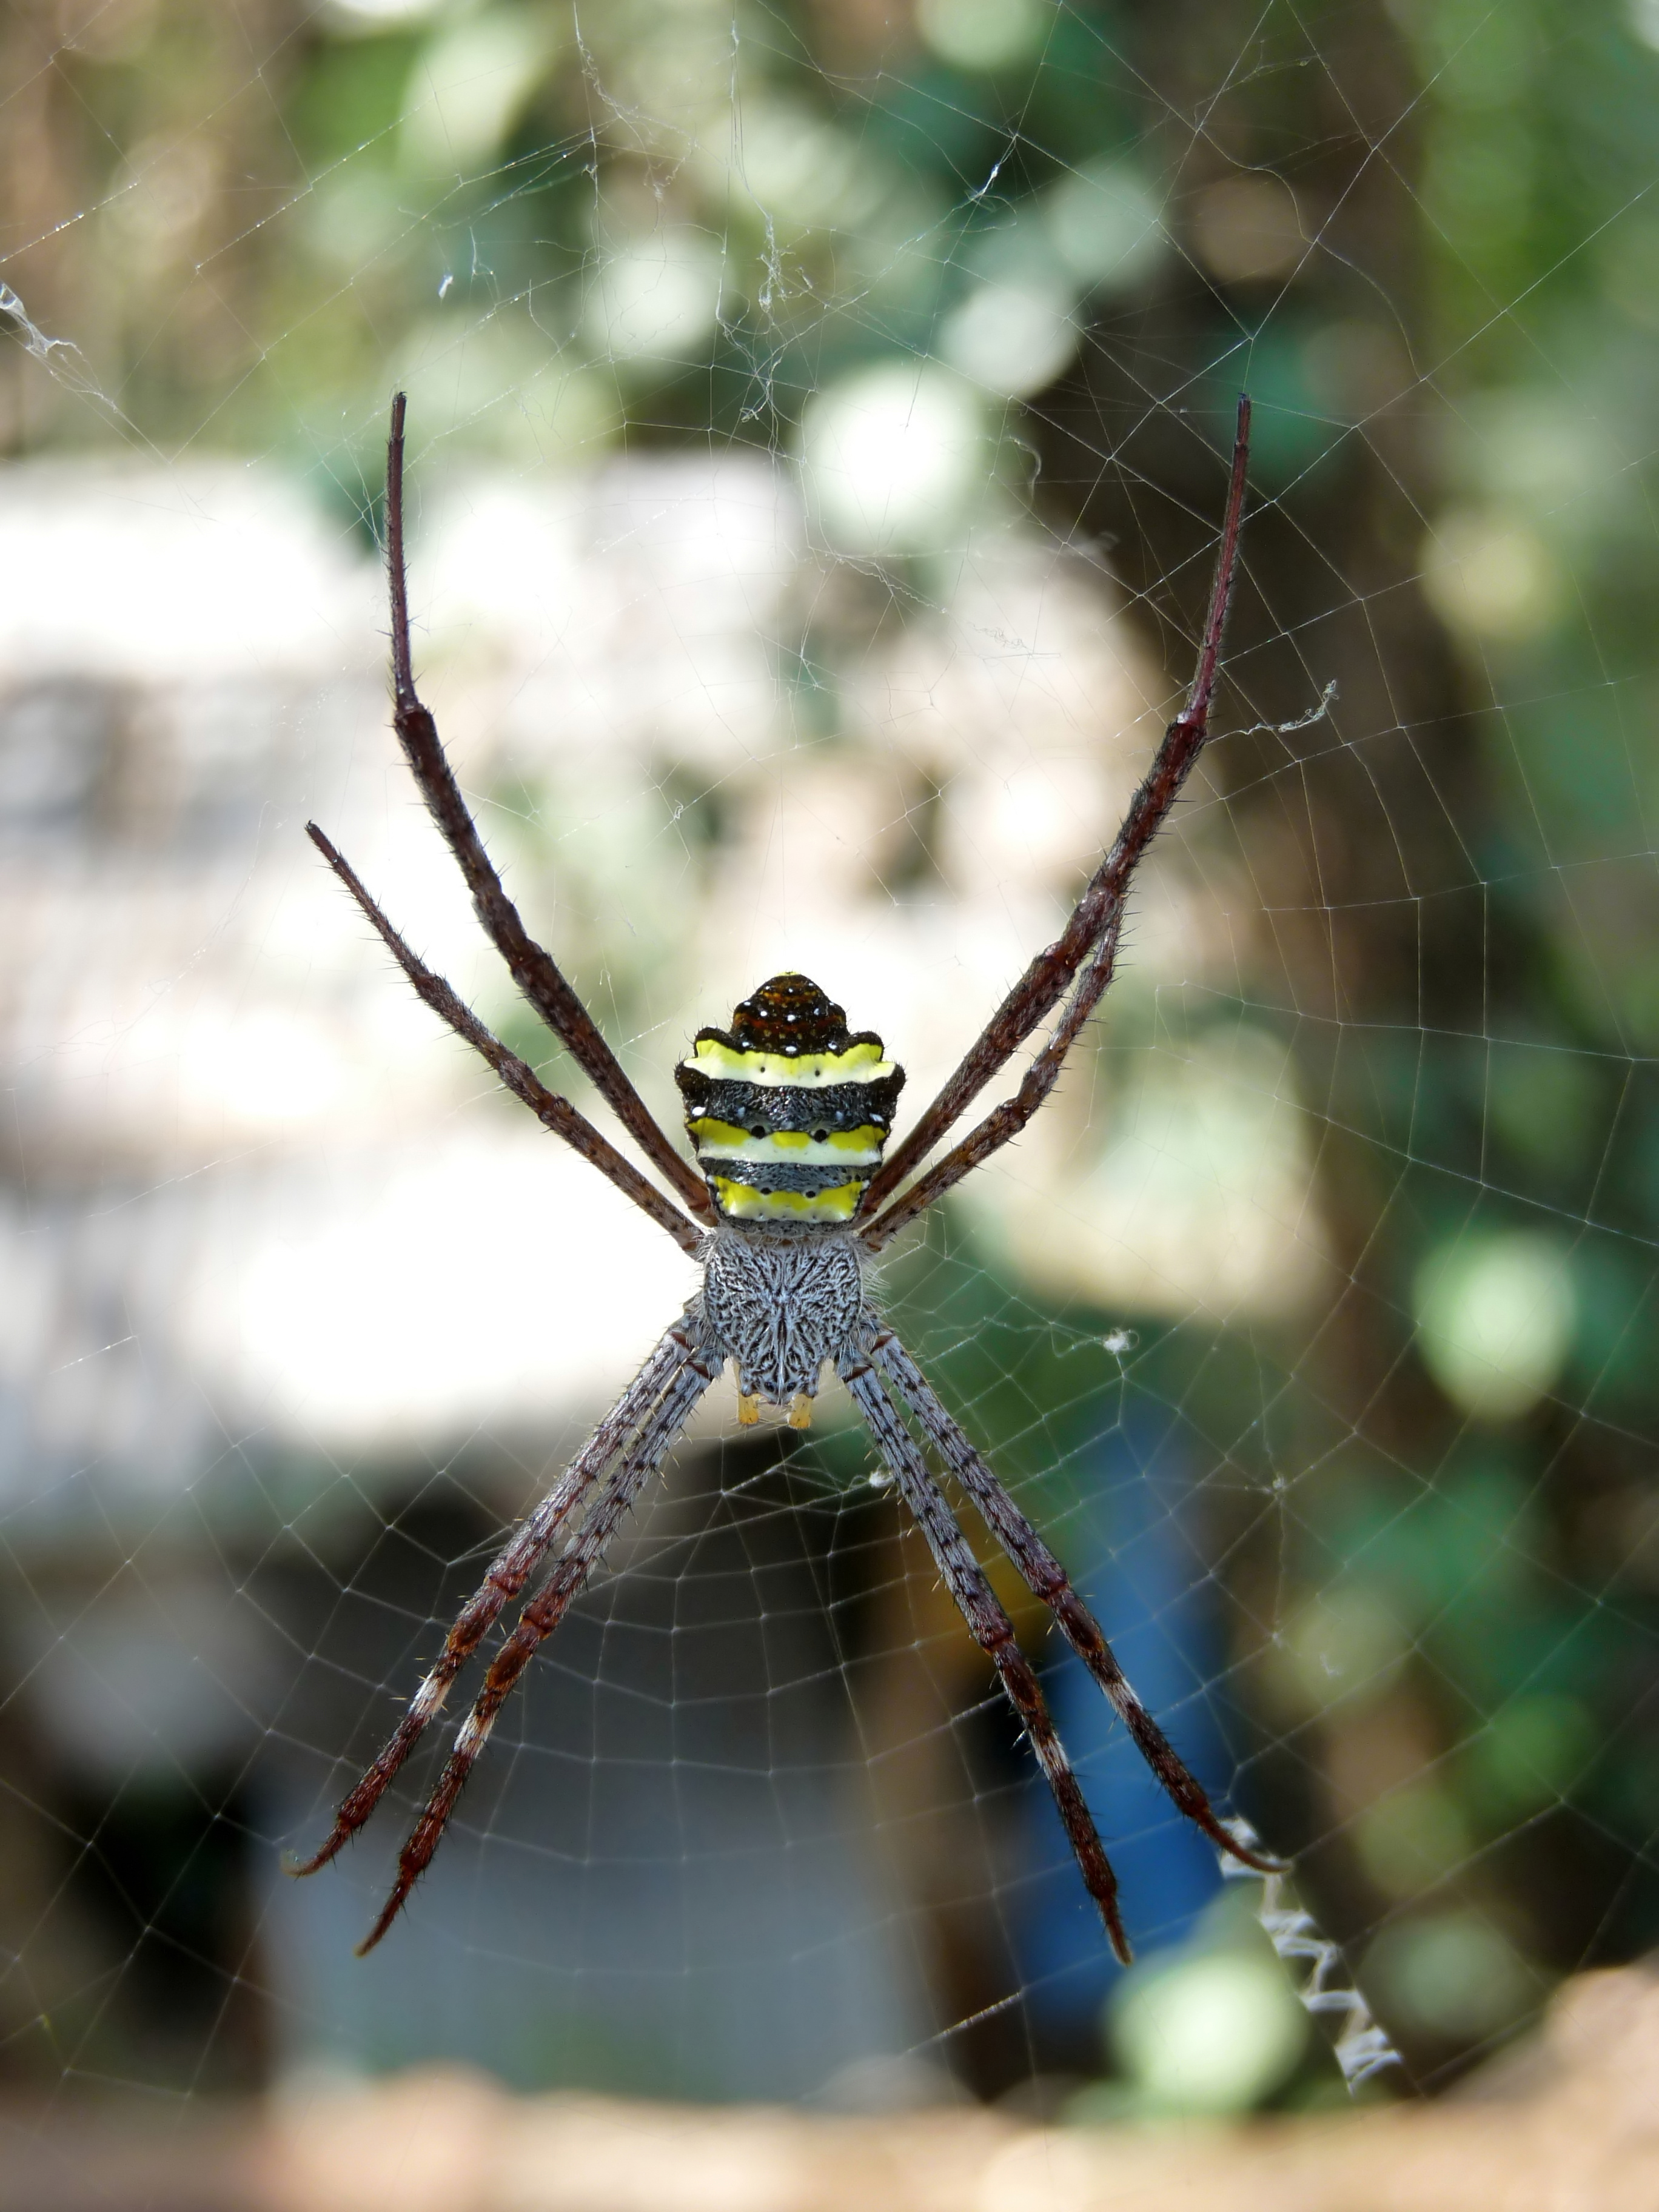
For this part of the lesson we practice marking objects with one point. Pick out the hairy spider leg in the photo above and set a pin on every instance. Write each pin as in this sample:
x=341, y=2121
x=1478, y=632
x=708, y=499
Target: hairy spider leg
x=1047, y=977
x=509, y=1572
x=1047, y=1579
x=554, y=1112
x=1006, y=1121
x=991, y=1629
x=764, y=1163
x=532, y=968
x=698, y=1369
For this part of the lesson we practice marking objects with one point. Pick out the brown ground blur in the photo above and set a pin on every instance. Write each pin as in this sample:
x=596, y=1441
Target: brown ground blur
x=1569, y=2121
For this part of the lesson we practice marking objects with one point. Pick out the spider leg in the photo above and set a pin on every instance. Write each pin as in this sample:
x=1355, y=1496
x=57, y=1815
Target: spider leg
x=532, y=967
x=509, y=1573
x=1047, y=1579
x=554, y=1112
x=1049, y=975
x=1006, y=1120
x=616, y=1494
x=991, y=1629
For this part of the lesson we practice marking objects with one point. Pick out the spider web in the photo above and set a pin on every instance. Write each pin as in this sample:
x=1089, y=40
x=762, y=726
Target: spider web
x=818, y=434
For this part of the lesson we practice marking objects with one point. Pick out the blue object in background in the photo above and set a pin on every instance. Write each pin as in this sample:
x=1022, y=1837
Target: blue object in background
x=1128, y=1544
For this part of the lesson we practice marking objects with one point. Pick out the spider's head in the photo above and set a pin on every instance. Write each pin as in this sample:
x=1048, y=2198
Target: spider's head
x=787, y=1109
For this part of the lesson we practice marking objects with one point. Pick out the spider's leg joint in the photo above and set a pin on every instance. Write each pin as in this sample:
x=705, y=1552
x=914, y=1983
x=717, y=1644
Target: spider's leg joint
x=800, y=1411
x=748, y=1408
x=429, y=1699
x=472, y=1735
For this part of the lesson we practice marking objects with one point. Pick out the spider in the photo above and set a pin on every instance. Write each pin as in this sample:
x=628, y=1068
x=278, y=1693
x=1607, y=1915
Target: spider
x=788, y=1115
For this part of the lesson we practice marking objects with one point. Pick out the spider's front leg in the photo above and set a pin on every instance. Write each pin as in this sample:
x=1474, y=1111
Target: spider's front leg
x=532, y=968
x=1092, y=930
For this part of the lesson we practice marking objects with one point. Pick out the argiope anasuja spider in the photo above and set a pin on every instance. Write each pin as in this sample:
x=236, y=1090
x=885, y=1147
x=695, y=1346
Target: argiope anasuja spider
x=788, y=1115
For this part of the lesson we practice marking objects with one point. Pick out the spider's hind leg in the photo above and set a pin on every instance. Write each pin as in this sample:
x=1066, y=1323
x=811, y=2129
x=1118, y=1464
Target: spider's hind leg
x=991, y=1629
x=1047, y=1579
x=610, y=1504
x=509, y=1574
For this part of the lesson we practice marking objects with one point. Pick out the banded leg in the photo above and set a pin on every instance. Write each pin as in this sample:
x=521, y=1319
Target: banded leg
x=532, y=968
x=553, y=1112
x=1004, y=1121
x=1049, y=976
x=1047, y=1579
x=509, y=1573
x=991, y=1629
x=615, y=1495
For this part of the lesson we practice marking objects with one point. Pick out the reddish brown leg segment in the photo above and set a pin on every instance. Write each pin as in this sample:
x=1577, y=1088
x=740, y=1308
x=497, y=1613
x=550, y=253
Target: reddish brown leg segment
x=554, y=1112
x=532, y=968
x=1047, y=1579
x=991, y=1629
x=615, y=1495
x=509, y=1573
x=1007, y=1119
x=1047, y=979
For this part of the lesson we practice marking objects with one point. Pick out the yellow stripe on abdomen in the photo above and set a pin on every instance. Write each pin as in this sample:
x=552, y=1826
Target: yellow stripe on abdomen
x=788, y=1110
x=807, y=1070
x=741, y=1201
x=845, y=1148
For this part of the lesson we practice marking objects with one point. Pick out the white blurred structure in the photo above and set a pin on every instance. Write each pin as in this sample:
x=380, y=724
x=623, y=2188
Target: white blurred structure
x=275, y=1252
x=257, y=1193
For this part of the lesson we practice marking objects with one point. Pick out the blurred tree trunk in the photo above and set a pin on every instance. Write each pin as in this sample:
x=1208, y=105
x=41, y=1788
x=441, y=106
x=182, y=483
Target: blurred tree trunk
x=1358, y=831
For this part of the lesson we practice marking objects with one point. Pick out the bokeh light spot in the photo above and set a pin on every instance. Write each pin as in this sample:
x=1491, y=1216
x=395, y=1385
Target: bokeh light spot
x=1495, y=1318
x=1213, y=2033
x=892, y=458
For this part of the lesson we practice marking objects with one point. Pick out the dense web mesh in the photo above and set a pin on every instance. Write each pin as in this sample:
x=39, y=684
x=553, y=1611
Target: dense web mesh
x=819, y=420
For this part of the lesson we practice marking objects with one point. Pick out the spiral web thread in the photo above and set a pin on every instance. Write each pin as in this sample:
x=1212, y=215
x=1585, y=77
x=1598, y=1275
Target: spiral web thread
x=1324, y=1983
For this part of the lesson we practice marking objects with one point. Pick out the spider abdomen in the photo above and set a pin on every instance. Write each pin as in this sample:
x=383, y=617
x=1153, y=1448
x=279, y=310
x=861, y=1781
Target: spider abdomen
x=778, y=1306
x=788, y=1110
